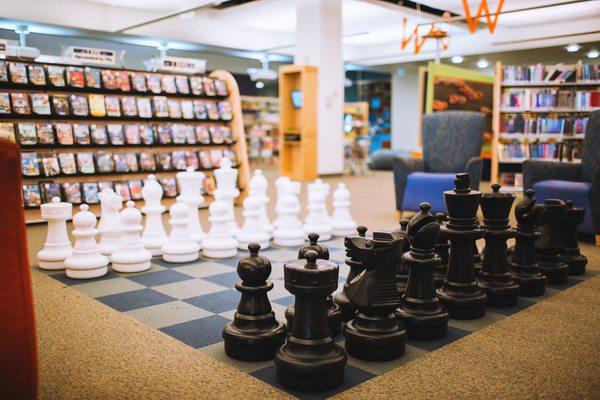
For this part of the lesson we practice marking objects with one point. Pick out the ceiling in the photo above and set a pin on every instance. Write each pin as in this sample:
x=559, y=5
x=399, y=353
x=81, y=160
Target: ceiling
x=371, y=29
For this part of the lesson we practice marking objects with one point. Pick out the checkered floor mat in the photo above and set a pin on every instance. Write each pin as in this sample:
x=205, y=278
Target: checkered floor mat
x=193, y=301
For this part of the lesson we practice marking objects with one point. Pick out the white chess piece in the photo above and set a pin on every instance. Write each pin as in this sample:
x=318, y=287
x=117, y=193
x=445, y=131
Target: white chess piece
x=219, y=243
x=341, y=220
x=288, y=231
x=190, y=185
x=154, y=235
x=86, y=262
x=319, y=186
x=131, y=255
x=316, y=220
x=227, y=191
x=258, y=186
x=284, y=186
x=252, y=230
x=180, y=247
x=110, y=234
x=58, y=246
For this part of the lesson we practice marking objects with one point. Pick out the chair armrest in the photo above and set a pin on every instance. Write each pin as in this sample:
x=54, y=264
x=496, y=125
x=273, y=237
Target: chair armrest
x=403, y=166
x=474, y=167
x=538, y=170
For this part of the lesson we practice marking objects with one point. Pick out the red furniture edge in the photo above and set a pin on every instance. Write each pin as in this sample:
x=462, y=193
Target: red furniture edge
x=18, y=343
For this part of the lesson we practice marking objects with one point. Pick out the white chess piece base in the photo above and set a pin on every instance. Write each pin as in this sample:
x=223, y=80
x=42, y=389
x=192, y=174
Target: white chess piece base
x=95, y=267
x=264, y=244
x=131, y=267
x=51, y=265
x=215, y=253
x=180, y=258
x=109, y=243
x=172, y=252
x=86, y=273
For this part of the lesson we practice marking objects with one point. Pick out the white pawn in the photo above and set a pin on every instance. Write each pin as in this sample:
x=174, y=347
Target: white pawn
x=316, y=220
x=180, y=247
x=190, y=184
x=219, y=243
x=284, y=186
x=58, y=246
x=252, y=230
x=131, y=255
x=86, y=262
x=110, y=204
x=288, y=231
x=319, y=186
x=154, y=235
x=258, y=186
x=227, y=191
x=341, y=220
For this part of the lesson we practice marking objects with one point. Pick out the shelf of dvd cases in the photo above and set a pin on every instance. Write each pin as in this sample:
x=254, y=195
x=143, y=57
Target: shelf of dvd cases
x=84, y=127
x=541, y=114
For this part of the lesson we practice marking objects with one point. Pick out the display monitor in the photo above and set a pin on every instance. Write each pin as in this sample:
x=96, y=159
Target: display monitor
x=297, y=98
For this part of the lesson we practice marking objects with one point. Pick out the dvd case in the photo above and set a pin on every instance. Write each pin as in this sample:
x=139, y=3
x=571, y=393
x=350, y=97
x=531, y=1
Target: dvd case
x=106, y=185
x=178, y=134
x=56, y=75
x=92, y=77
x=153, y=81
x=200, y=110
x=72, y=191
x=146, y=134
x=202, y=134
x=182, y=83
x=163, y=134
x=113, y=107
x=97, y=108
x=50, y=190
x=132, y=162
x=81, y=134
x=50, y=166
x=109, y=79
x=98, y=134
x=115, y=134
x=79, y=105
x=60, y=103
x=37, y=75
x=120, y=160
x=187, y=109
x=135, y=188
x=75, y=77
x=227, y=135
x=30, y=164
x=18, y=72
x=211, y=110
x=4, y=103
x=215, y=158
x=169, y=186
x=174, y=108
x=147, y=162
x=7, y=131
x=144, y=107
x=163, y=161
x=20, y=103
x=3, y=71
x=210, y=185
x=123, y=80
x=128, y=106
x=122, y=188
x=40, y=103
x=215, y=134
x=161, y=108
x=178, y=160
x=221, y=87
x=85, y=163
x=45, y=133
x=190, y=134
x=90, y=192
x=132, y=134
x=196, y=85
x=225, y=112
x=27, y=134
x=191, y=159
x=31, y=195
x=64, y=134
x=209, y=86
x=104, y=162
x=167, y=83
x=138, y=82
x=67, y=163
x=204, y=158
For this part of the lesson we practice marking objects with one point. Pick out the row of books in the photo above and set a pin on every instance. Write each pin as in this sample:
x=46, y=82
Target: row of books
x=67, y=134
x=516, y=149
x=559, y=73
x=549, y=98
x=88, y=163
x=511, y=179
x=34, y=194
x=534, y=123
x=57, y=76
x=99, y=106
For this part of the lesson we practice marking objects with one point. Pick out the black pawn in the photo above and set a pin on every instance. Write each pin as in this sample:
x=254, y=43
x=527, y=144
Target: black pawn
x=310, y=360
x=420, y=310
x=460, y=293
x=442, y=247
x=402, y=270
x=523, y=264
x=494, y=277
x=341, y=299
x=254, y=334
x=333, y=310
x=552, y=241
x=375, y=334
x=570, y=254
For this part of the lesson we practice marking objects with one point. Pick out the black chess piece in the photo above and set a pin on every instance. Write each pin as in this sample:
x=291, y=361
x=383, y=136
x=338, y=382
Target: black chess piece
x=402, y=269
x=375, y=334
x=460, y=293
x=494, y=277
x=442, y=247
x=333, y=310
x=551, y=242
x=570, y=253
x=477, y=258
x=420, y=310
x=310, y=360
x=341, y=299
x=523, y=264
x=254, y=334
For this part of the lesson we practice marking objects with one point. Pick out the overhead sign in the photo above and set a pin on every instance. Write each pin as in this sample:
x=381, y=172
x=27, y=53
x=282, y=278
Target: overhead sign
x=2, y=48
x=183, y=65
x=92, y=55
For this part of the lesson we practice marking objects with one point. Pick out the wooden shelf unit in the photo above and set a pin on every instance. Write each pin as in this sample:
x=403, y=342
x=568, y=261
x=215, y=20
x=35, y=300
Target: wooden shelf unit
x=499, y=85
x=298, y=126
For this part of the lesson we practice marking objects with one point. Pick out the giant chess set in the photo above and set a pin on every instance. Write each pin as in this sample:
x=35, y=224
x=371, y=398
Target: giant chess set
x=318, y=305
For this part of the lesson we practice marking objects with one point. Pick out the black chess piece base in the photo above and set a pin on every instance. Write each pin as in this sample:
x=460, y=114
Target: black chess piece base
x=556, y=273
x=530, y=285
x=424, y=327
x=576, y=263
x=375, y=338
x=334, y=317
x=310, y=367
x=347, y=309
x=501, y=295
x=466, y=303
x=439, y=276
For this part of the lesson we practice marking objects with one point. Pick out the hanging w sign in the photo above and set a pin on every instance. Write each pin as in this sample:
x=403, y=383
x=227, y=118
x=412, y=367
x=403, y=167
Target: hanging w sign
x=491, y=22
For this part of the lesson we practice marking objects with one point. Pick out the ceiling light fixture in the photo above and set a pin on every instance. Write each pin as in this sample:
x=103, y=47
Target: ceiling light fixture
x=482, y=63
x=573, y=48
x=593, y=54
x=457, y=59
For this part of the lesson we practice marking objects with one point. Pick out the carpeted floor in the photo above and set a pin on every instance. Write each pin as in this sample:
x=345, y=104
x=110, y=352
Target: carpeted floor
x=549, y=350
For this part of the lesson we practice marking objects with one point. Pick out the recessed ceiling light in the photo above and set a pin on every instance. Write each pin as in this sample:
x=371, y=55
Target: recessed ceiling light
x=593, y=54
x=573, y=48
x=457, y=59
x=482, y=63
x=259, y=85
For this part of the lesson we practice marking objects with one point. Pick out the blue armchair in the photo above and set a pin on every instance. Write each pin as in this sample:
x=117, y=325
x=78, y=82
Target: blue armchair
x=569, y=181
x=451, y=144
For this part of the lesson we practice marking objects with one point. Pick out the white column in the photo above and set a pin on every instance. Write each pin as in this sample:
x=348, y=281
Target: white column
x=319, y=43
x=405, y=108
